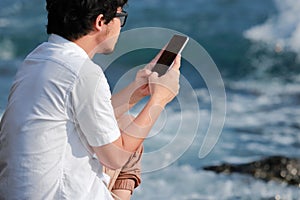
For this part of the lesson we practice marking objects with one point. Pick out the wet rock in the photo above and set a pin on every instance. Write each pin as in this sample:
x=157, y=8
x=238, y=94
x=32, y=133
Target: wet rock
x=277, y=168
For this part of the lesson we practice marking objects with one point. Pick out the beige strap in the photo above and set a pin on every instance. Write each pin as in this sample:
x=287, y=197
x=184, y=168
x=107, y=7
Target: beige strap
x=113, y=176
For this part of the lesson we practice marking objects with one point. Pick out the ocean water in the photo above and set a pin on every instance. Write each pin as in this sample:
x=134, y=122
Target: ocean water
x=255, y=45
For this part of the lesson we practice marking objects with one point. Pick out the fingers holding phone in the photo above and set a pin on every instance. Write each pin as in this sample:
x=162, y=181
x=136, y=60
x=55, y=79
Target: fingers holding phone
x=165, y=88
x=164, y=81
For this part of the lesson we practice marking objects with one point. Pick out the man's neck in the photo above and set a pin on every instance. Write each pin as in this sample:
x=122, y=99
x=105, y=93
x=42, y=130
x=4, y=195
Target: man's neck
x=88, y=44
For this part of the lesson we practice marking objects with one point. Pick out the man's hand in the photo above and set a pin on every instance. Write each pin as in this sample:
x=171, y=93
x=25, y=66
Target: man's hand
x=141, y=85
x=165, y=88
x=141, y=81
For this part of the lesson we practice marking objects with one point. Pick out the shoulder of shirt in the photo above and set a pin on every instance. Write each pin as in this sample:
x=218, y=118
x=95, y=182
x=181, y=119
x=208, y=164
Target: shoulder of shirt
x=68, y=58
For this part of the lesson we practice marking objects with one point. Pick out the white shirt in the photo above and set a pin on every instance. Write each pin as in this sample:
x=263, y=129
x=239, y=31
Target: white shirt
x=59, y=106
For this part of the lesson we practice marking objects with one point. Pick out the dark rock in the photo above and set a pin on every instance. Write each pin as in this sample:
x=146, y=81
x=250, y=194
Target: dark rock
x=277, y=168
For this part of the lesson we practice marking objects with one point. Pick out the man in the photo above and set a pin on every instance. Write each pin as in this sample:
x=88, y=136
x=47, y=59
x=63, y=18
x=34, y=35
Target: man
x=60, y=126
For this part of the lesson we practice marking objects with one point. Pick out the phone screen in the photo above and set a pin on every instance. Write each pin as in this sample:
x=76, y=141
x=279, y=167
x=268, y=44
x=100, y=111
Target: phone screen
x=168, y=56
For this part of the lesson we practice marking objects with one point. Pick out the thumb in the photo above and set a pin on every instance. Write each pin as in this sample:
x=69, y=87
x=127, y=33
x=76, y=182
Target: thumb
x=147, y=72
x=153, y=77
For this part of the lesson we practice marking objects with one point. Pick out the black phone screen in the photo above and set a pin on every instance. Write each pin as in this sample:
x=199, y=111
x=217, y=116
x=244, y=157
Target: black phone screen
x=169, y=54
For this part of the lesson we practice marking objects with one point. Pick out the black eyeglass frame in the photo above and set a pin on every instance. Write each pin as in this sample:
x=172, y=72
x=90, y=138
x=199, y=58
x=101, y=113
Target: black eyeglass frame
x=123, y=17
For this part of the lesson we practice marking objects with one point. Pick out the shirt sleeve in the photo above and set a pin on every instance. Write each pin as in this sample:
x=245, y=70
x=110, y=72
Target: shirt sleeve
x=93, y=108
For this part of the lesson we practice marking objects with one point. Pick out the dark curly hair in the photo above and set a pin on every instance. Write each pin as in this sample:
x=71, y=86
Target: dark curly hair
x=73, y=19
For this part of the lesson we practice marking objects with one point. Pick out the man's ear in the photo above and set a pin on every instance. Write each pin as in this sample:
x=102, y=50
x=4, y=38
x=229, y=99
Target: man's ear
x=99, y=22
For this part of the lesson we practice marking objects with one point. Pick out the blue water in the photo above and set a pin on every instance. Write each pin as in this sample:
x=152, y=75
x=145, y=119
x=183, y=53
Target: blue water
x=255, y=45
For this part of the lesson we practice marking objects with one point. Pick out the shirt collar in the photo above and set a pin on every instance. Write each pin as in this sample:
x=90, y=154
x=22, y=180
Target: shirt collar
x=56, y=39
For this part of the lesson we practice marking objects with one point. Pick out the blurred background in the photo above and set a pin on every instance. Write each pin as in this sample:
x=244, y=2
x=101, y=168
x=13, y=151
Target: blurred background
x=256, y=47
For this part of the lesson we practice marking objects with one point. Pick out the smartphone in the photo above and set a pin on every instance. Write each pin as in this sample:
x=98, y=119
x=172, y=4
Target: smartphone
x=166, y=60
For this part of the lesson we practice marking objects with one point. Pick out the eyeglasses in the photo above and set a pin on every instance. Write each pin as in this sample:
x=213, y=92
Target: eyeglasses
x=122, y=16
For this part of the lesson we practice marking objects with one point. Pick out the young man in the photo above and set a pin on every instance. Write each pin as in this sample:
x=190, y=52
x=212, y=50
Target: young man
x=60, y=125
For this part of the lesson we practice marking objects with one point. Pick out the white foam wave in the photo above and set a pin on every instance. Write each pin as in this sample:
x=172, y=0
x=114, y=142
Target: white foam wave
x=7, y=52
x=186, y=183
x=281, y=30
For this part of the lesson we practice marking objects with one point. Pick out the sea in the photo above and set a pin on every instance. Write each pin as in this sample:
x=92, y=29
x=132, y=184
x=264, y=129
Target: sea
x=239, y=96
